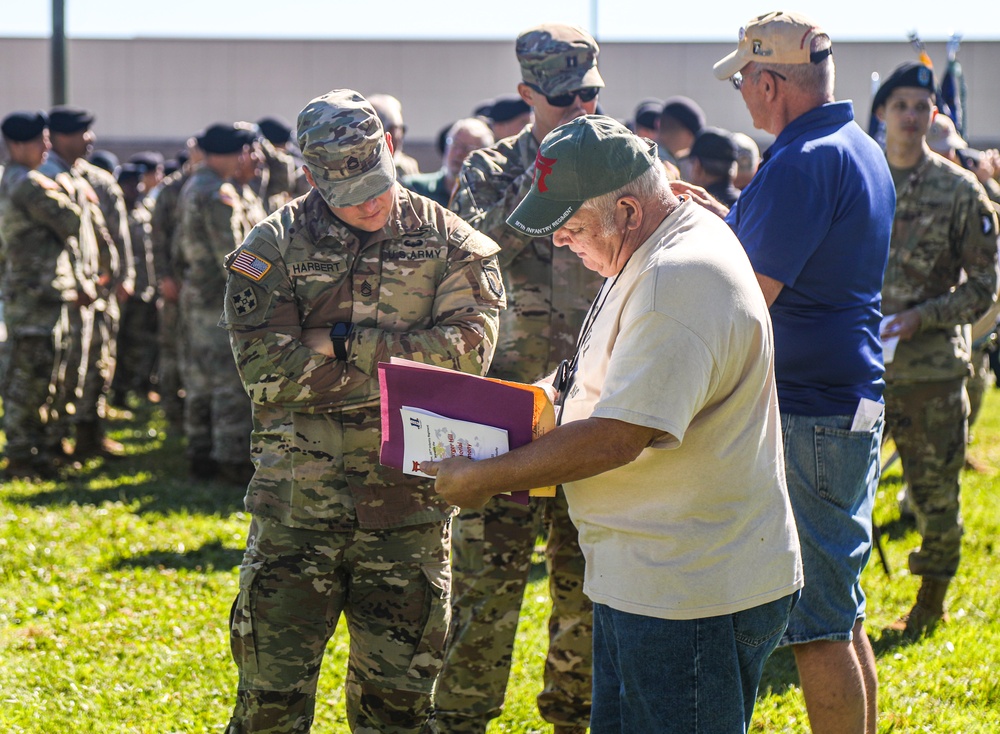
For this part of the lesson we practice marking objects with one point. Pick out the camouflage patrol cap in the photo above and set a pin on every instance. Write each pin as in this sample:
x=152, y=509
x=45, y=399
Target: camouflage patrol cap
x=558, y=58
x=344, y=148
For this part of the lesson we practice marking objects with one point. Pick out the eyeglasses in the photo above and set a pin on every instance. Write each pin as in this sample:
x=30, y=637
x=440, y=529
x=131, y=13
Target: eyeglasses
x=737, y=79
x=587, y=94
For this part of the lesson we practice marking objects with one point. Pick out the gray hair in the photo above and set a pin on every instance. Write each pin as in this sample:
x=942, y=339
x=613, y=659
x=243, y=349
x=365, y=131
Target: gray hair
x=650, y=186
x=816, y=79
x=474, y=125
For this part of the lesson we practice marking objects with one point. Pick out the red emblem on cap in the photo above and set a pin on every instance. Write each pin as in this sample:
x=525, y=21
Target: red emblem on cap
x=543, y=167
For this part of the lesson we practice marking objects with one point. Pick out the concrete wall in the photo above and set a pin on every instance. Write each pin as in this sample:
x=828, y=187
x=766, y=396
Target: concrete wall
x=150, y=91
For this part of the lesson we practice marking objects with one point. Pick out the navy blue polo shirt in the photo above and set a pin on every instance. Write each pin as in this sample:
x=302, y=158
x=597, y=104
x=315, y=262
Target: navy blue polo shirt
x=817, y=217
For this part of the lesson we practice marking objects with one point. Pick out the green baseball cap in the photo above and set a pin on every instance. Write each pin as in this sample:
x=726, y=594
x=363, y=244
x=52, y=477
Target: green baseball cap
x=343, y=146
x=587, y=157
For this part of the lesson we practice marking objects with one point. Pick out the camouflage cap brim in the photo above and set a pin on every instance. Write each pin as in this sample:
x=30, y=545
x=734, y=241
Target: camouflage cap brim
x=341, y=192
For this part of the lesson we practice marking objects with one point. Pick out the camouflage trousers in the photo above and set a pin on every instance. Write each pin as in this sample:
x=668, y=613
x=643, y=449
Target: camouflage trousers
x=928, y=422
x=217, y=410
x=168, y=371
x=27, y=395
x=491, y=558
x=391, y=586
x=84, y=364
x=136, y=348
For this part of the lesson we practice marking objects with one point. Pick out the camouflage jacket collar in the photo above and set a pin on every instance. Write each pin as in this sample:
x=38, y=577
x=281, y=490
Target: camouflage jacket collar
x=403, y=222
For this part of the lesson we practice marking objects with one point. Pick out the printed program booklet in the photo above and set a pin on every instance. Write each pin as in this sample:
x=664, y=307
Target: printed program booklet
x=428, y=436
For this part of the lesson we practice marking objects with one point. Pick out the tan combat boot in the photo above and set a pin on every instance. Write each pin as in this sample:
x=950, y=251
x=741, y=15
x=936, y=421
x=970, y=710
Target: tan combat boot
x=927, y=612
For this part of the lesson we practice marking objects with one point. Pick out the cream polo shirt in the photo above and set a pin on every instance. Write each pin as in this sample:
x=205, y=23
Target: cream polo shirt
x=699, y=525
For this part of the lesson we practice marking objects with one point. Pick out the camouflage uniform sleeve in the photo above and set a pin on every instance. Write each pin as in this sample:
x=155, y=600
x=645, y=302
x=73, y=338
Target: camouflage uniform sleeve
x=164, y=225
x=48, y=205
x=974, y=234
x=121, y=235
x=263, y=319
x=486, y=195
x=224, y=223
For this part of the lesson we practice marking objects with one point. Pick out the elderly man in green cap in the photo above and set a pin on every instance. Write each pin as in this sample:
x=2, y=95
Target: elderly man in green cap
x=355, y=272
x=669, y=442
x=549, y=291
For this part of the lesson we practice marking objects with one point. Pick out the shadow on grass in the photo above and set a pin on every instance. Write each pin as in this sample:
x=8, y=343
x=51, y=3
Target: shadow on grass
x=213, y=556
x=152, y=474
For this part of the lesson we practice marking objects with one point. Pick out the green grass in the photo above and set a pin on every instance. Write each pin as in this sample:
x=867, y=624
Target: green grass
x=116, y=582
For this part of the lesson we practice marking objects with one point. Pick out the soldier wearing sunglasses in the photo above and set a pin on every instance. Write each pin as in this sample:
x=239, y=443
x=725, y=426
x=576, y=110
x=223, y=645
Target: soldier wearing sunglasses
x=549, y=292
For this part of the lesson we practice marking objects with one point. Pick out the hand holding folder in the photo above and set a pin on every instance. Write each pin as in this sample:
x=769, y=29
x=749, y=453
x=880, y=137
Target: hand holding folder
x=523, y=411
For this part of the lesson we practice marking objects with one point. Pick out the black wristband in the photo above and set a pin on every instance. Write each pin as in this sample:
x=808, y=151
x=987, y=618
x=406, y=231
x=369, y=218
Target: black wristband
x=340, y=334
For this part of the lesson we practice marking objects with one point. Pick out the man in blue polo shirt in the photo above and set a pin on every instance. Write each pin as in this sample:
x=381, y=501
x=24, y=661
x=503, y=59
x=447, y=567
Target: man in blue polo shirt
x=815, y=222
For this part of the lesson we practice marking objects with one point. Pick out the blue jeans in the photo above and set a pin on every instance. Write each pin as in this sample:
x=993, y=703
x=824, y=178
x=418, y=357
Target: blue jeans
x=687, y=676
x=832, y=475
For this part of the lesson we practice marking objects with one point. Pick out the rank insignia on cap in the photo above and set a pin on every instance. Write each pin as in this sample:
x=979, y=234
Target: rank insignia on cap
x=248, y=264
x=244, y=302
x=987, y=224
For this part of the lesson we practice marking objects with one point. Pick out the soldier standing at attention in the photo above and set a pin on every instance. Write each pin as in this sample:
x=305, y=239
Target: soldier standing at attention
x=167, y=262
x=549, y=292
x=214, y=220
x=39, y=225
x=944, y=227
x=355, y=272
x=83, y=371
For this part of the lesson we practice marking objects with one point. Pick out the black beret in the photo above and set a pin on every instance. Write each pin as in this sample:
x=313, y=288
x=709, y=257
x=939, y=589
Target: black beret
x=148, y=159
x=506, y=107
x=23, y=126
x=908, y=74
x=648, y=112
x=105, y=159
x=224, y=138
x=482, y=109
x=275, y=129
x=65, y=119
x=686, y=111
x=130, y=172
x=442, y=138
x=714, y=143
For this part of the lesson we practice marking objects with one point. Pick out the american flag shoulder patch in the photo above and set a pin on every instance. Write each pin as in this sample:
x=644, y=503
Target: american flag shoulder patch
x=250, y=265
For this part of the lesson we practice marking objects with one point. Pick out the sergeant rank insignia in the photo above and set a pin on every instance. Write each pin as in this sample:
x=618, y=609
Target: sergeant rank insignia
x=250, y=265
x=244, y=302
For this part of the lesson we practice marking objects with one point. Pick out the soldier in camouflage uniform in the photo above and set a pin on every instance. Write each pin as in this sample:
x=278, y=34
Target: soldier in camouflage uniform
x=280, y=184
x=84, y=365
x=549, y=292
x=168, y=265
x=357, y=271
x=944, y=225
x=214, y=219
x=137, y=335
x=103, y=350
x=39, y=225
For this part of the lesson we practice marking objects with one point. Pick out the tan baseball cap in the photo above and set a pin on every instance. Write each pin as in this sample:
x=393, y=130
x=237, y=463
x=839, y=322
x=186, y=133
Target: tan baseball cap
x=942, y=137
x=343, y=146
x=558, y=59
x=773, y=38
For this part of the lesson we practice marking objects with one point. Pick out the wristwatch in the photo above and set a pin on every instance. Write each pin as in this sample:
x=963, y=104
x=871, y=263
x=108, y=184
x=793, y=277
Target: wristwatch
x=340, y=334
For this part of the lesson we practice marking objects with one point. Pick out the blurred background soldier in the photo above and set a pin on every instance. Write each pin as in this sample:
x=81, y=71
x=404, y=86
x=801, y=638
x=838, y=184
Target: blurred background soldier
x=84, y=367
x=213, y=222
x=747, y=159
x=508, y=114
x=151, y=173
x=137, y=334
x=39, y=225
x=283, y=176
x=549, y=291
x=712, y=164
x=168, y=263
x=465, y=136
x=390, y=112
x=680, y=122
x=941, y=276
